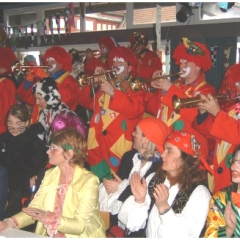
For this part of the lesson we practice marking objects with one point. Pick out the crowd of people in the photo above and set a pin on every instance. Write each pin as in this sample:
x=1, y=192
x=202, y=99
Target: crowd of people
x=172, y=174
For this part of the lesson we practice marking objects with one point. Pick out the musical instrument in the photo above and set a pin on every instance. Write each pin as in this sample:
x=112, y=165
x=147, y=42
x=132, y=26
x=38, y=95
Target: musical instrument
x=136, y=84
x=24, y=69
x=139, y=39
x=85, y=80
x=179, y=103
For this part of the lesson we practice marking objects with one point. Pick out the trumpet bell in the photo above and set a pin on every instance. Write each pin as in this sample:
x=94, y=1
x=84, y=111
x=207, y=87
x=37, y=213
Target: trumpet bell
x=83, y=80
x=135, y=84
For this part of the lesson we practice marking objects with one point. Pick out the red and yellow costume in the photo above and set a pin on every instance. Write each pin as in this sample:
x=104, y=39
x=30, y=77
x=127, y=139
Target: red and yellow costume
x=67, y=84
x=7, y=86
x=113, y=120
x=224, y=129
x=161, y=104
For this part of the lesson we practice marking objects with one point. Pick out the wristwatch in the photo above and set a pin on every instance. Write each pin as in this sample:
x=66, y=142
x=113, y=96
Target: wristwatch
x=165, y=211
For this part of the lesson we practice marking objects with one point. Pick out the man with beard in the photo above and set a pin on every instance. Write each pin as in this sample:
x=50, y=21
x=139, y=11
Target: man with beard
x=116, y=111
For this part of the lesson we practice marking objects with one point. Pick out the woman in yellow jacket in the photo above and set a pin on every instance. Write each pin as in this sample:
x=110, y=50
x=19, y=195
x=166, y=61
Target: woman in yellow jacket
x=66, y=204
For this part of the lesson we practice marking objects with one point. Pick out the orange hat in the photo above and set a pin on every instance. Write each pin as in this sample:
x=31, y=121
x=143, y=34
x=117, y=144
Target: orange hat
x=190, y=144
x=155, y=130
x=193, y=52
x=125, y=53
x=109, y=42
x=7, y=59
x=61, y=56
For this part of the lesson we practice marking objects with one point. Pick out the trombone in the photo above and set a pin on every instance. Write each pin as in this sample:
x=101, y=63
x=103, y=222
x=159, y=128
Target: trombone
x=85, y=80
x=136, y=84
x=21, y=68
x=179, y=103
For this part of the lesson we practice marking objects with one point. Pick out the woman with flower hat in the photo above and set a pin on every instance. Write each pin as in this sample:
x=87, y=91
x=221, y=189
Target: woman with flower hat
x=173, y=202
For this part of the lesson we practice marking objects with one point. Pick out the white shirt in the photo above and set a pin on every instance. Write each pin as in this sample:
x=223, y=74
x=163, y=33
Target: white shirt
x=187, y=224
x=110, y=203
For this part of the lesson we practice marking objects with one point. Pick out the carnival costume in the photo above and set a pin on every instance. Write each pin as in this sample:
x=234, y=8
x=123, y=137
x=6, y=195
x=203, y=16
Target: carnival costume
x=113, y=120
x=224, y=130
x=161, y=102
x=149, y=61
x=188, y=212
x=47, y=88
x=7, y=84
x=216, y=224
x=66, y=84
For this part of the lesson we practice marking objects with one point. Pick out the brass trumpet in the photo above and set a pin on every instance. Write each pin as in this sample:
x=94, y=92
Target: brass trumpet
x=85, y=80
x=136, y=84
x=179, y=103
x=21, y=68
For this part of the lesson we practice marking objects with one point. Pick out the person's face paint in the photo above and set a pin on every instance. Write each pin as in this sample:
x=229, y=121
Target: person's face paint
x=16, y=126
x=121, y=67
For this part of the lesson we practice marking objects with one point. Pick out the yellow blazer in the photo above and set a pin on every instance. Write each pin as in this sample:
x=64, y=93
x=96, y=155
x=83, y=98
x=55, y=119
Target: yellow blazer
x=80, y=215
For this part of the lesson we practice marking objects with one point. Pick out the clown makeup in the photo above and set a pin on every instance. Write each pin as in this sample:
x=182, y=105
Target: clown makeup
x=53, y=65
x=236, y=168
x=184, y=68
x=121, y=67
x=16, y=126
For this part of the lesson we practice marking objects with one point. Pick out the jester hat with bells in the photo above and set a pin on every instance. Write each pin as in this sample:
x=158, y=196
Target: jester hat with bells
x=61, y=56
x=193, y=52
x=191, y=144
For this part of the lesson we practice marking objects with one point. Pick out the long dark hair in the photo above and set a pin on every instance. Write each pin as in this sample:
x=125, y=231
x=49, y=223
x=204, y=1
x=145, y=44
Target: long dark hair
x=191, y=174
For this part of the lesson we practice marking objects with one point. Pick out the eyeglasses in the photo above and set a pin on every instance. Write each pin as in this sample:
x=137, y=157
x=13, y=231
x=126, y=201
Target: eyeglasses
x=51, y=148
x=236, y=161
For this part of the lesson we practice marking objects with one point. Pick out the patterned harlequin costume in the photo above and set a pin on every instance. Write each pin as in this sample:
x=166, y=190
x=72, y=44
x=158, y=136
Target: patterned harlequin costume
x=216, y=224
x=7, y=86
x=149, y=61
x=163, y=103
x=66, y=84
x=110, y=134
x=225, y=138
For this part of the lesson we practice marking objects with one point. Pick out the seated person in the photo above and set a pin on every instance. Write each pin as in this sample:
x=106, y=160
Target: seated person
x=223, y=219
x=61, y=121
x=173, y=202
x=145, y=157
x=66, y=204
x=22, y=154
